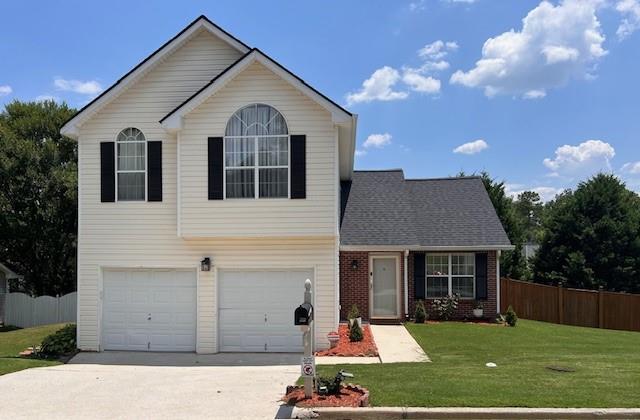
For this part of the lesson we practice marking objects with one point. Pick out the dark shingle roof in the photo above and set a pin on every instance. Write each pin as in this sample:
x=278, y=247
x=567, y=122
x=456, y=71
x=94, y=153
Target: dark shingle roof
x=384, y=208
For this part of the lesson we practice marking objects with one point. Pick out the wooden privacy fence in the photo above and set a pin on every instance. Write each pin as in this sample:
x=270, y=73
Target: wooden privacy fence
x=585, y=308
x=25, y=311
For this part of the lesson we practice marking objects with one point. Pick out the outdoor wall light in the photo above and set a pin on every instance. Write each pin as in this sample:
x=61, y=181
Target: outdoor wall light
x=205, y=264
x=354, y=264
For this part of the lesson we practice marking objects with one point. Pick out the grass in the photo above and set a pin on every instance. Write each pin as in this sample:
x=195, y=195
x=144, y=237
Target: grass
x=606, y=363
x=13, y=342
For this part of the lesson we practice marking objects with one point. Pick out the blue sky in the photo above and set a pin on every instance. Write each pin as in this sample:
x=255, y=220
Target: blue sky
x=440, y=86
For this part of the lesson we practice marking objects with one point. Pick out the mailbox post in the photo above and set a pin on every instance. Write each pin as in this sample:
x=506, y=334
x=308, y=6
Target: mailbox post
x=303, y=316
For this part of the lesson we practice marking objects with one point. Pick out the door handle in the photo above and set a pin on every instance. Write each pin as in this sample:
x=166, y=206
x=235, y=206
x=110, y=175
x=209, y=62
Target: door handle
x=149, y=317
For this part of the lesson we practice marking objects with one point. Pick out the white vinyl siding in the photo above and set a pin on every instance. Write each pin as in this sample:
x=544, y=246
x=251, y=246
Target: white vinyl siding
x=126, y=235
x=316, y=215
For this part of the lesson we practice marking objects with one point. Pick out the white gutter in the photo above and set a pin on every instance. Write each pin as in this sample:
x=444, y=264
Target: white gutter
x=406, y=284
x=401, y=248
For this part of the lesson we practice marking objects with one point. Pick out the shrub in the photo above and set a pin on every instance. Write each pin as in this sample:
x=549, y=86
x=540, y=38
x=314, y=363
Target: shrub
x=329, y=386
x=60, y=342
x=478, y=304
x=421, y=313
x=354, y=312
x=510, y=317
x=445, y=307
x=355, y=332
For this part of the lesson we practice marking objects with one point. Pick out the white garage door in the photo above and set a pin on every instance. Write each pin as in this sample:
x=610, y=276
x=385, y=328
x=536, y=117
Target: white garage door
x=149, y=310
x=256, y=310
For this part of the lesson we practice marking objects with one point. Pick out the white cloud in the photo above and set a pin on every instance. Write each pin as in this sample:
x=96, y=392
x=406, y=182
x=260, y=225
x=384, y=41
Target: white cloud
x=630, y=9
x=557, y=43
x=90, y=87
x=546, y=193
x=437, y=49
x=472, y=147
x=378, y=87
x=581, y=160
x=631, y=168
x=42, y=98
x=360, y=152
x=535, y=94
x=415, y=6
x=5, y=90
x=419, y=83
x=377, y=140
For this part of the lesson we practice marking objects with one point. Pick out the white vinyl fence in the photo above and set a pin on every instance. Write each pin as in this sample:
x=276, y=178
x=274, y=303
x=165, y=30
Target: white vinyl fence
x=25, y=311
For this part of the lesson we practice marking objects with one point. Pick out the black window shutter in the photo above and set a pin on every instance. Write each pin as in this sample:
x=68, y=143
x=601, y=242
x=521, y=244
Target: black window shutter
x=298, y=166
x=216, y=168
x=154, y=175
x=107, y=172
x=481, y=276
x=418, y=275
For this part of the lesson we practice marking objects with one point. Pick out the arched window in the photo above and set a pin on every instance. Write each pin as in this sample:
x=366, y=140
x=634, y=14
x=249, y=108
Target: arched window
x=131, y=171
x=256, y=146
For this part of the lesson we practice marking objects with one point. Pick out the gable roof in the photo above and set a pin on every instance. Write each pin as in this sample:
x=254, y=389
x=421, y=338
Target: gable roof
x=70, y=127
x=173, y=120
x=9, y=274
x=383, y=209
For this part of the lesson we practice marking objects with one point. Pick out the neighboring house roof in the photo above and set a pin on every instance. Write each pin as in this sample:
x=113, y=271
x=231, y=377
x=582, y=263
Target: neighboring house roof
x=383, y=209
x=8, y=273
x=70, y=127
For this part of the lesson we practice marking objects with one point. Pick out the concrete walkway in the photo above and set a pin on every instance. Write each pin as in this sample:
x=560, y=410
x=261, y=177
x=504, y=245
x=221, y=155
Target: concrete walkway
x=395, y=344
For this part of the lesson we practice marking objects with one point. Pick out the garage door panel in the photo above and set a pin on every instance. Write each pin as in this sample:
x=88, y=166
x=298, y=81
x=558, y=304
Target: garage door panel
x=256, y=309
x=132, y=297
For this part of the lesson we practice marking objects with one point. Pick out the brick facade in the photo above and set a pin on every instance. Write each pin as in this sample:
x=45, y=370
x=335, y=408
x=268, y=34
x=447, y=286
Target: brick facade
x=354, y=286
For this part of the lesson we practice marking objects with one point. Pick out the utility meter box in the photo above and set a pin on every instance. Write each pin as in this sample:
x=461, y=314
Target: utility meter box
x=303, y=314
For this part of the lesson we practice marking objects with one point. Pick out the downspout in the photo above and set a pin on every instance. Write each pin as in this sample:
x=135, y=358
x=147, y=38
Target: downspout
x=498, y=253
x=406, y=284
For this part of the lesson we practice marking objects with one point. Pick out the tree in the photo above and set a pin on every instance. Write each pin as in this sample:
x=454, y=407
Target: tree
x=38, y=196
x=592, y=237
x=512, y=263
x=529, y=212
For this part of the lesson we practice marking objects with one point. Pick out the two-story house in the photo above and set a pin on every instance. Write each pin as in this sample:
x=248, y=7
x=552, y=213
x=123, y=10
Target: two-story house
x=210, y=186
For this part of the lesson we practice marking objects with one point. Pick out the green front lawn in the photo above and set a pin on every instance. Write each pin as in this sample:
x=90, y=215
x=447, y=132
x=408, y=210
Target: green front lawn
x=606, y=364
x=13, y=342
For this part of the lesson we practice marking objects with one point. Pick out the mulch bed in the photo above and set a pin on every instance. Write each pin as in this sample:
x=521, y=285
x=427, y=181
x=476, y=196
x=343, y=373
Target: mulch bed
x=350, y=396
x=345, y=348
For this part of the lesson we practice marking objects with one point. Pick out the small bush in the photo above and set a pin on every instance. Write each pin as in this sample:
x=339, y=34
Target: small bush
x=354, y=312
x=355, y=332
x=421, y=313
x=60, y=342
x=332, y=385
x=445, y=307
x=510, y=317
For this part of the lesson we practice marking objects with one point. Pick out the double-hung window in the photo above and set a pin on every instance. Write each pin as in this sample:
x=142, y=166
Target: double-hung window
x=256, y=150
x=131, y=171
x=450, y=274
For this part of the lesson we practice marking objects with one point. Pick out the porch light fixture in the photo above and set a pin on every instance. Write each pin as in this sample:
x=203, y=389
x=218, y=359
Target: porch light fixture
x=205, y=264
x=354, y=264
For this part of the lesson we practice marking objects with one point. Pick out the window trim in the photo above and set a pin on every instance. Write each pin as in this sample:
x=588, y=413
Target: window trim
x=146, y=166
x=449, y=276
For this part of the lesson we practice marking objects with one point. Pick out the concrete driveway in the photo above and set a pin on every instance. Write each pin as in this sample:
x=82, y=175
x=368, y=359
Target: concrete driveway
x=152, y=386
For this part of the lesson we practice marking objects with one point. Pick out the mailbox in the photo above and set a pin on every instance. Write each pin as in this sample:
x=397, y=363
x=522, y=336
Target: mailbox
x=303, y=314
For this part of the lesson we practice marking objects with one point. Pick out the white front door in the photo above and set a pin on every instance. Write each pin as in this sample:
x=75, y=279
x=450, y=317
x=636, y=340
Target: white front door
x=384, y=287
x=149, y=310
x=256, y=310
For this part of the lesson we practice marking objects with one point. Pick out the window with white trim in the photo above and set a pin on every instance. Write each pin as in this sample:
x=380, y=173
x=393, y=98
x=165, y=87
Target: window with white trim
x=131, y=165
x=256, y=154
x=449, y=274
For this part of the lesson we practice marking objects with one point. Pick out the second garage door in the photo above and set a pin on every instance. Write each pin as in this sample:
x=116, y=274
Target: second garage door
x=256, y=310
